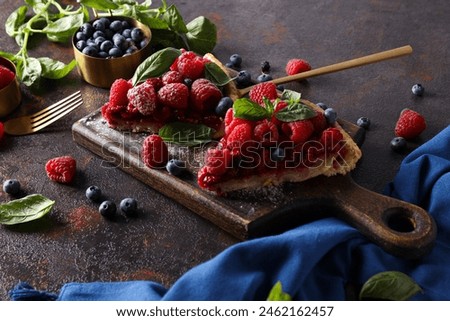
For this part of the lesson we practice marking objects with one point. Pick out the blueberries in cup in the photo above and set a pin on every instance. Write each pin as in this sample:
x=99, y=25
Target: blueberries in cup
x=109, y=38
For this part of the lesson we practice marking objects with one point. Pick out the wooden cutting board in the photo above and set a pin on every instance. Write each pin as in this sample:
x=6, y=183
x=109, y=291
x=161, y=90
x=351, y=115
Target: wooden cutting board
x=398, y=227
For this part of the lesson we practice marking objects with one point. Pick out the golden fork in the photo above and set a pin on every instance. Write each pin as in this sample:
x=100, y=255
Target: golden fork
x=32, y=123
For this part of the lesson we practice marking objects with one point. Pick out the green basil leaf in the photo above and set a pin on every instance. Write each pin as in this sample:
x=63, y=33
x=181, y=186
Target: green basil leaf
x=163, y=38
x=390, y=285
x=99, y=4
x=216, y=75
x=277, y=294
x=15, y=20
x=63, y=29
x=155, y=65
x=25, y=209
x=31, y=71
x=174, y=20
x=54, y=69
x=151, y=22
x=244, y=108
x=291, y=95
x=202, y=35
x=186, y=134
x=294, y=112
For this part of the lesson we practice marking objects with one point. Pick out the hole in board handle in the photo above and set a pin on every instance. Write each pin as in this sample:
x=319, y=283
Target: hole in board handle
x=399, y=219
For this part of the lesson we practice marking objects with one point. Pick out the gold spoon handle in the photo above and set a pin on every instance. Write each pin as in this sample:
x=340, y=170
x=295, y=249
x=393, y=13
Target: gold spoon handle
x=376, y=57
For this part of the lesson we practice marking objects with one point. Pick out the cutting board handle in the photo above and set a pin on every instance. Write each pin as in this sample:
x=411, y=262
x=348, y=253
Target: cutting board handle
x=401, y=228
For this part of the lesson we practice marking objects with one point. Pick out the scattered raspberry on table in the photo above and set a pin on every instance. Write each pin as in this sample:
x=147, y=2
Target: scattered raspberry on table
x=61, y=169
x=410, y=124
x=295, y=66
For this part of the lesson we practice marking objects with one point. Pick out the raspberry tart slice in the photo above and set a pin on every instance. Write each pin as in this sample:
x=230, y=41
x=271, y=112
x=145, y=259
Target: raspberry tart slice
x=272, y=141
x=170, y=86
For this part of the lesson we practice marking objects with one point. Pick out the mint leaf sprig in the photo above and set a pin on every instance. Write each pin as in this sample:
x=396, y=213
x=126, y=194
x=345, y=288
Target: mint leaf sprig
x=247, y=109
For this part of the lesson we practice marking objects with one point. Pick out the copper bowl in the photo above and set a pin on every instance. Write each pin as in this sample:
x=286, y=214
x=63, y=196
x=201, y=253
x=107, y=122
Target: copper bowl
x=102, y=72
x=10, y=96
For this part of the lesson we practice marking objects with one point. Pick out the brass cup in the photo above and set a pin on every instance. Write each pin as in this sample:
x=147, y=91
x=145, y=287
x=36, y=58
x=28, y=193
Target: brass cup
x=102, y=72
x=10, y=96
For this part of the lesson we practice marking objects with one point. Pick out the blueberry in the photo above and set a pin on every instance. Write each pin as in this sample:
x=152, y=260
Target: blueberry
x=106, y=45
x=120, y=42
x=98, y=33
x=398, y=144
x=131, y=49
x=11, y=186
x=93, y=193
x=107, y=209
x=81, y=44
x=263, y=78
x=277, y=154
x=125, y=24
x=116, y=26
x=244, y=78
x=137, y=34
x=330, y=115
x=103, y=54
x=115, y=52
x=229, y=65
x=90, y=51
x=175, y=167
x=143, y=43
x=322, y=105
x=106, y=22
x=236, y=60
x=280, y=88
x=87, y=29
x=99, y=25
x=265, y=66
x=126, y=33
x=363, y=122
x=188, y=82
x=99, y=40
x=128, y=206
x=81, y=36
x=418, y=89
x=224, y=104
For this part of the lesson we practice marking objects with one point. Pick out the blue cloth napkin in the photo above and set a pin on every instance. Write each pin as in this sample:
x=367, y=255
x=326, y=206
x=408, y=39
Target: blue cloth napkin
x=314, y=261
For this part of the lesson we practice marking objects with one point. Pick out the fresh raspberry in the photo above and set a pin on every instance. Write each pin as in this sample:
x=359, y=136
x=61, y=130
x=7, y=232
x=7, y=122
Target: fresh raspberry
x=265, y=89
x=295, y=66
x=174, y=95
x=118, y=92
x=204, y=95
x=240, y=138
x=156, y=82
x=61, y=169
x=217, y=161
x=330, y=138
x=190, y=65
x=319, y=122
x=298, y=131
x=6, y=76
x=109, y=111
x=410, y=124
x=172, y=77
x=266, y=133
x=1, y=130
x=155, y=153
x=205, y=179
x=229, y=116
x=143, y=97
x=235, y=122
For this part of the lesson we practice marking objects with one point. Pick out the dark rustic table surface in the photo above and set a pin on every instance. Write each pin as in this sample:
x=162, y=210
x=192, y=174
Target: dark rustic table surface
x=74, y=243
